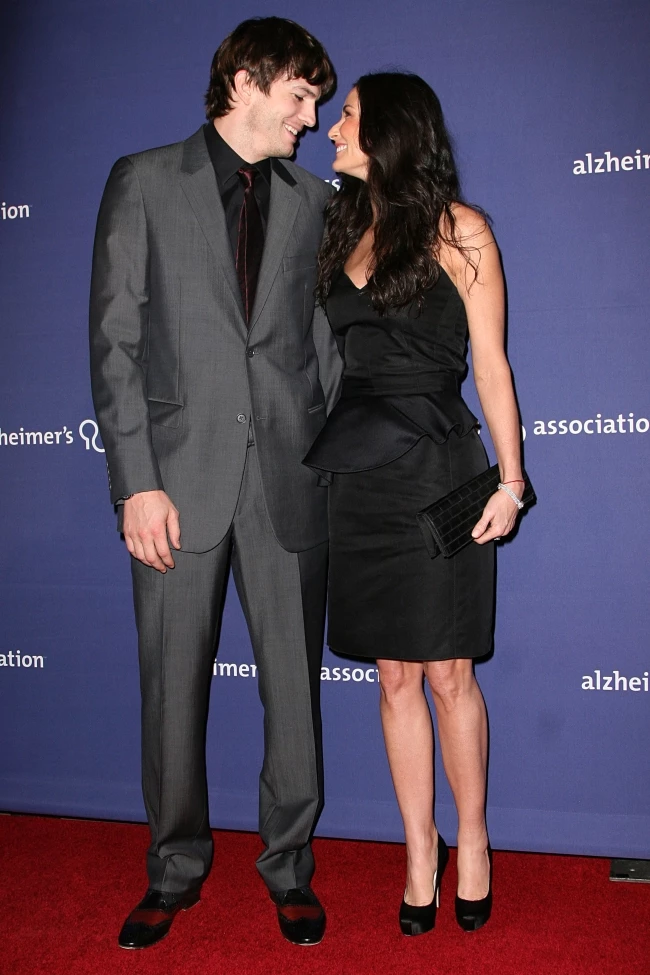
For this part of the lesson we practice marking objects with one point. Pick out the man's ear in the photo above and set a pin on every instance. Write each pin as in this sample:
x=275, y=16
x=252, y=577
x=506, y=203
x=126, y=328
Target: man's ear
x=242, y=87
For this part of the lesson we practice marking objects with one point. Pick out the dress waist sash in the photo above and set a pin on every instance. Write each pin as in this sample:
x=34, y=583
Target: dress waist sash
x=410, y=384
x=378, y=419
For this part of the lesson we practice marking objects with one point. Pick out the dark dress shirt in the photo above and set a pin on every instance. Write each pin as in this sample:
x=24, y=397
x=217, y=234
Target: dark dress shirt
x=226, y=162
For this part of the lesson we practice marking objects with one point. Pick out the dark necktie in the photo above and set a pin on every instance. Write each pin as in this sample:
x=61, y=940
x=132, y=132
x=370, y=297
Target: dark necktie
x=250, y=241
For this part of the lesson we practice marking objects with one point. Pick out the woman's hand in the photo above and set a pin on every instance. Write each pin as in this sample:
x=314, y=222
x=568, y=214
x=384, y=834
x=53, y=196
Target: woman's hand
x=499, y=516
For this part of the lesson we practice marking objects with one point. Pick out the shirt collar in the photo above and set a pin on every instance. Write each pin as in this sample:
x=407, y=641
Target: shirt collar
x=226, y=161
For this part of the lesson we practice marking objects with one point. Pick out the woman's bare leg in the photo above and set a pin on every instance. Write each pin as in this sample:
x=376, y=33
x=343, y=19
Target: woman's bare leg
x=408, y=734
x=462, y=727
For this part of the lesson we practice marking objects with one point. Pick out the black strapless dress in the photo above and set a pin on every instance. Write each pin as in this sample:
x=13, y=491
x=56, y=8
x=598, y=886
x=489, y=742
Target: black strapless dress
x=400, y=437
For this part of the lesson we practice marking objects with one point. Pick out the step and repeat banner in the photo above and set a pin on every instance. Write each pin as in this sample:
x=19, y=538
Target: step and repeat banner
x=547, y=103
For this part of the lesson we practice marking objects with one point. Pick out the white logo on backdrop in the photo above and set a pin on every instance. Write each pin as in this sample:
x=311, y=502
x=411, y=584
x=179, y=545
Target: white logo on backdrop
x=24, y=661
x=615, y=682
x=88, y=433
x=597, y=424
x=20, y=212
x=356, y=675
x=92, y=439
x=36, y=438
x=609, y=163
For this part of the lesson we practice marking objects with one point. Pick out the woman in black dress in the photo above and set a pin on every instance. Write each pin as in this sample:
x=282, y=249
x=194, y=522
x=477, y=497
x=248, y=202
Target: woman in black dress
x=407, y=274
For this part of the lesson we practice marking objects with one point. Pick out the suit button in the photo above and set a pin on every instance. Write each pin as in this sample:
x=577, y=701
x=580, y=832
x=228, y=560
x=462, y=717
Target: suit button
x=241, y=418
x=250, y=353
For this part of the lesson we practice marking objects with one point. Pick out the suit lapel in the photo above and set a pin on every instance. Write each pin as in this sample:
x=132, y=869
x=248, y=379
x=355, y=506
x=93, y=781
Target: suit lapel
x=199, y=184
x=283, y=209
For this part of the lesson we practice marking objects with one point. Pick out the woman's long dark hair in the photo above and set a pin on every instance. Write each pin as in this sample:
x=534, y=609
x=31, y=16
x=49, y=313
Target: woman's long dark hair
x=411, y=185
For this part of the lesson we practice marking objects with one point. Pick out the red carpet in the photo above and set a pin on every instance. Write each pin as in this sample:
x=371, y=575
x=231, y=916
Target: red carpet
x=67, y=885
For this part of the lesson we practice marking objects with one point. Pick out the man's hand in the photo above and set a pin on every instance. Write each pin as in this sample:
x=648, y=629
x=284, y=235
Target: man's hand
x=149, y=518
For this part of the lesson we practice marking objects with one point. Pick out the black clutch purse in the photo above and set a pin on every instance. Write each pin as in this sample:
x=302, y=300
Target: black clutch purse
x=447, y=523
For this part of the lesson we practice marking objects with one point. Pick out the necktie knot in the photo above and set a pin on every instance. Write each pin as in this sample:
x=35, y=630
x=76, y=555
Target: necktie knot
x=247, y=175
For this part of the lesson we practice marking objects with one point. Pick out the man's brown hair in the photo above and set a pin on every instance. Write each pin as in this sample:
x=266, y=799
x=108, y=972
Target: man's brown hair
x=267, y=48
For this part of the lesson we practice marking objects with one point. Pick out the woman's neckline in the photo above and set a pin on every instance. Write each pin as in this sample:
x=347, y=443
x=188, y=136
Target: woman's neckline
x=356, y=287
x=363, y=288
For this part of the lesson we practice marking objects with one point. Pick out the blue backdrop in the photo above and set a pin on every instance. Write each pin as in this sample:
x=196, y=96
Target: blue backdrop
x=548, y=105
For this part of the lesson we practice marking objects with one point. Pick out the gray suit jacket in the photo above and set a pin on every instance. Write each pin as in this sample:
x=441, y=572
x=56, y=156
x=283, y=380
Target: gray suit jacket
x=176, y=374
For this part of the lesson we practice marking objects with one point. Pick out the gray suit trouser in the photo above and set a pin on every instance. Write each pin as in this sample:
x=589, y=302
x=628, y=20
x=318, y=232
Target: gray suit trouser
x=178, y=616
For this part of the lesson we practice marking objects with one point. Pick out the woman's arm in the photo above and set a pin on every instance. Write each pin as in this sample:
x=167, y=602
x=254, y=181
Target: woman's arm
x=482, y=293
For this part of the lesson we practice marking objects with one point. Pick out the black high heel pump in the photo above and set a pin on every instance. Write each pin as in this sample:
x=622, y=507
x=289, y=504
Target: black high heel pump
x=472, y=915
x=419, y=920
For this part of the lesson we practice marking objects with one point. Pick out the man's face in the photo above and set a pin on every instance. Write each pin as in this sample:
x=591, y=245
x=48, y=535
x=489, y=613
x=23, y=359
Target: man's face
x=275, y=121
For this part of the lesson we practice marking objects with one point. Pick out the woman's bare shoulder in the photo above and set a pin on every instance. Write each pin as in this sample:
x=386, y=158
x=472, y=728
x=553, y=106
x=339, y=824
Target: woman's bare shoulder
x=471, y=227
x=467, y=250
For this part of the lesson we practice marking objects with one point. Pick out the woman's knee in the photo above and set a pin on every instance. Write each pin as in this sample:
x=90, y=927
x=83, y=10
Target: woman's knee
x=450, y=680
x=399, y=679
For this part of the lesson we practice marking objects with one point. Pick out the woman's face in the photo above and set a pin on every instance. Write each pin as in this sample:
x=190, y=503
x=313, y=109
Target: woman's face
x=344, y=134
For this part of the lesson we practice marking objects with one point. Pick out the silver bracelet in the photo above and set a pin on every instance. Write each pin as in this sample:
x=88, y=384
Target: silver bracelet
x=511, y=494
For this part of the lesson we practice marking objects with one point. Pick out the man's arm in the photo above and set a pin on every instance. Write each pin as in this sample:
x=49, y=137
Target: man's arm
x=330, y=363
x=119, y=321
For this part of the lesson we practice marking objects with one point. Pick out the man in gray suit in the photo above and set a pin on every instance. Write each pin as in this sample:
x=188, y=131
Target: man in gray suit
x=212, y=373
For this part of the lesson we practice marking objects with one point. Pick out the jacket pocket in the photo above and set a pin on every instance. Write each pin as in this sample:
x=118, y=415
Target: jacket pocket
x=299, y=262
x=165, y=414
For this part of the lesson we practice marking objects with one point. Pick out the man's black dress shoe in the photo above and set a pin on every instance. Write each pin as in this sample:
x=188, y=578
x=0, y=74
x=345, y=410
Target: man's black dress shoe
x=151, y=920
x=301, y=916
